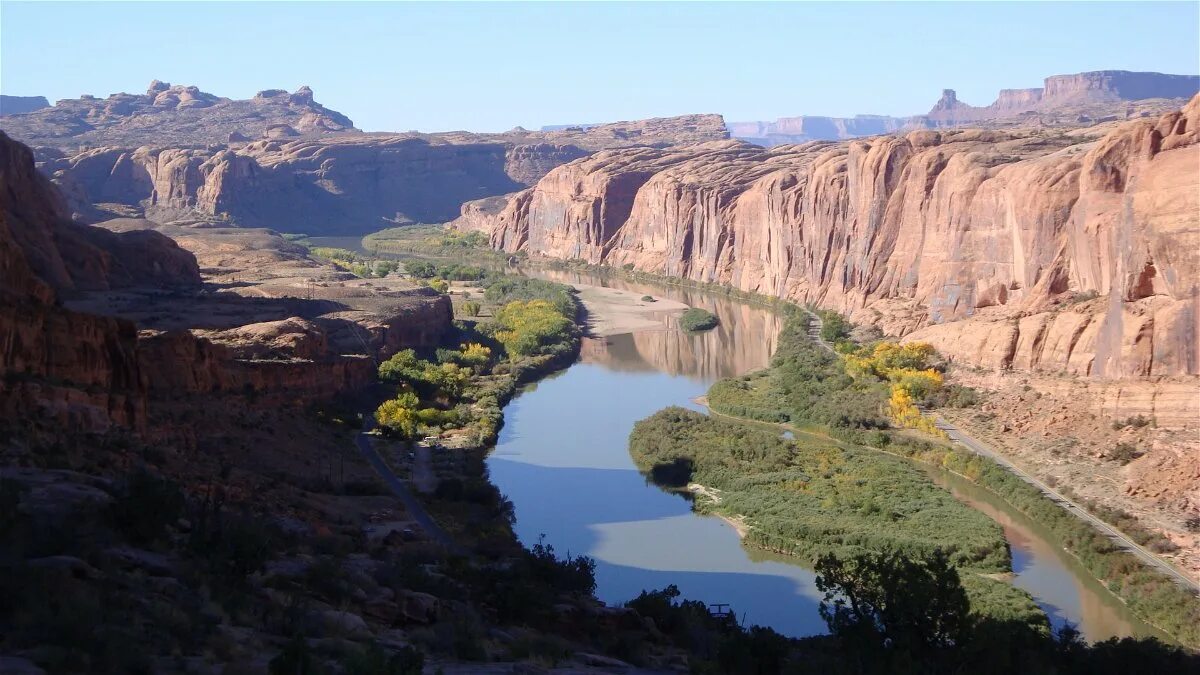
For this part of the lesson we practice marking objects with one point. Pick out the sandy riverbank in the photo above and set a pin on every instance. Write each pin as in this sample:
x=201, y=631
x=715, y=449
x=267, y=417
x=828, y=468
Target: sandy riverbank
x=612, y=311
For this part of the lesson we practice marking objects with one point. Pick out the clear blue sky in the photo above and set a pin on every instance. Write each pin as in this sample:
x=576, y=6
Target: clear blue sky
x=489, y=67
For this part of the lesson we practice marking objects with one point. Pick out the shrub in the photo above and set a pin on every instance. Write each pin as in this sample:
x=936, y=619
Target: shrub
x=696, y=319
x=1124, y=453
x=399, y=415
x=532, y=327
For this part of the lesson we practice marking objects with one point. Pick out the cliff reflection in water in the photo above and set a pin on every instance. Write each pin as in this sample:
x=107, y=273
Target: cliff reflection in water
x=706, y=356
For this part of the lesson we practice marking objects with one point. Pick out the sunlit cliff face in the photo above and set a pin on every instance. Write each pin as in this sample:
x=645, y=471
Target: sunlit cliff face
x=1051, y=252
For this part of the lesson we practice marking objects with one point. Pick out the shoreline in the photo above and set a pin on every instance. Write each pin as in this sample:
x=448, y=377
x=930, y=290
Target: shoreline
x=612, y=311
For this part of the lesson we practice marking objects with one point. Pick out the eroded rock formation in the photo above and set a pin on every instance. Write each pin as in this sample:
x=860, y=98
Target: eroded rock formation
x=168, y=114
x=334, y=183
x=16, y=105
x=1068, y=91
x=1010, y=249
x=1065, y=100
x=73, y=360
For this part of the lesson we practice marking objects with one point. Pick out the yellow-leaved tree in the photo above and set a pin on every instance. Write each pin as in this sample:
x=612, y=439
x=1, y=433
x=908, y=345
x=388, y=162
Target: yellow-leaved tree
x=399, y=415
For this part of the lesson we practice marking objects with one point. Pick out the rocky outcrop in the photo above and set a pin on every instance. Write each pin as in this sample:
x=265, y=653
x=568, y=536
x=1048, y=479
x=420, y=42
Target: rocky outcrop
x=1065, y=100
x=64, y=368
x=171, y=115
x=788, y=130
x=1068, y=91
x=16, y=105
x=340, y=184
x=1005, y=249
x=67, y=370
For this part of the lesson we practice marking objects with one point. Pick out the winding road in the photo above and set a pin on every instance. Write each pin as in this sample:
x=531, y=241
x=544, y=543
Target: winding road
x=978, y=447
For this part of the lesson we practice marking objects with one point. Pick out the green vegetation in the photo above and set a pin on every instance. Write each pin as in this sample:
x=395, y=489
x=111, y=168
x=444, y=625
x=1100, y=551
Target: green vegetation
x=453, y=271
x=356, y=264
x=813, y=498
x=696, y=319
x=433, y=240
x=896, y=615
x=805, y=385
x=891, y=613
x=503, y=290
x=533, y=327
x=834, y=327
x=808, y=386
x=530, y=332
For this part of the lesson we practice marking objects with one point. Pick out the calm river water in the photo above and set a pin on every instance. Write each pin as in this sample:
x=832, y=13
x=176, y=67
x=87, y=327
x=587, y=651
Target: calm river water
x=563, y=460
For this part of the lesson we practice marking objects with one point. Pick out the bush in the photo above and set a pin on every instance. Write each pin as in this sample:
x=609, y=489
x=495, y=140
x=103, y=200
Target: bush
x=696, y=319
x=526, y=328
x=648, y=298
x=808, y=498
x=1124, y=453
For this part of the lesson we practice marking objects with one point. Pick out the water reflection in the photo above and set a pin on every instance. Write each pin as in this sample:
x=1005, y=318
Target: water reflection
x=1062, y=588
x=744, y=340
x=563, y=459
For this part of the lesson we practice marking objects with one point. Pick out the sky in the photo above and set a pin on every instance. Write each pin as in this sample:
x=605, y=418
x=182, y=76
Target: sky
x=492, y=66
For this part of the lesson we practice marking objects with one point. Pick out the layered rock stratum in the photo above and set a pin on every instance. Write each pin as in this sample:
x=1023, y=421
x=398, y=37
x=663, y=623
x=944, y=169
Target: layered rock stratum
x=116, y=326
x=13, y=105
x=1063, y=101
x=283, y=161
x=1058, y=252
x=173, y=114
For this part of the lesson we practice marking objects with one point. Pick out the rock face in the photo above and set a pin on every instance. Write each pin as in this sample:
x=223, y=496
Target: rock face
x=168, y=114
x=1005, y=249
x=1067, y=91
x=1065, y=100
x=15, y=105
x=67, y=368
x=787, y=130
x=348, y=183
x=72, y=360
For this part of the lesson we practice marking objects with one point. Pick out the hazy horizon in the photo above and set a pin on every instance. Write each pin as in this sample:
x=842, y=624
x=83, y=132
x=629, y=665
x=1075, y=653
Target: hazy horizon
x=493, y=66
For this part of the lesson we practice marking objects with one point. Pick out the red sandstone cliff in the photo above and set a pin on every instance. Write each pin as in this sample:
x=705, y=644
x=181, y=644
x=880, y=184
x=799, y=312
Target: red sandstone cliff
x=64, y=371
x=1007, y=249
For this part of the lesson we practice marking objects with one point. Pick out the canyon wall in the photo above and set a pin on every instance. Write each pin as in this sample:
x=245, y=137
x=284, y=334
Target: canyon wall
x=1016, y=249
x=1063, y=92
x=336, y=183
x=65, y=371
x=1064, y=100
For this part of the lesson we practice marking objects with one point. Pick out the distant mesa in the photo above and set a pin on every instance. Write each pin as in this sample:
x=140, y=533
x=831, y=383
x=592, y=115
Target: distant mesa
x=169, y=115
x=1062, y=92
x=16, y=105
x=1098, y=96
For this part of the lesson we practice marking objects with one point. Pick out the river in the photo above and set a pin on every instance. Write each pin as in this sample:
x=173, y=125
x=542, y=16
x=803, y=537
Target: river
x=563, y=460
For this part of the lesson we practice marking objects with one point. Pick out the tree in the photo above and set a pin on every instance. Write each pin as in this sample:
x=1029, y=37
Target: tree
x=399, y=415
x=895, y=608
x=475, y=354
x=471, y=308
x=449, y=378
x=526, y=327
x=420, y=269
x=403, y=365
